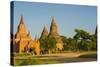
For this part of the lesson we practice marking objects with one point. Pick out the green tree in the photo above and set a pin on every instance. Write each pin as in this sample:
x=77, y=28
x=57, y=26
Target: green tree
x=48, y=45
x=84, y=40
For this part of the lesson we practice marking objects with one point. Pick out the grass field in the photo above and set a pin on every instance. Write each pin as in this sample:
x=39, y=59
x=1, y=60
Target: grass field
x=88, y=55
x=67, y=57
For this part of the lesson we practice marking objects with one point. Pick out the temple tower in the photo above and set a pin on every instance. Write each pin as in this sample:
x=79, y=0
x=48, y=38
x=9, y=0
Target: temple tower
x=44, y=33
x=53, y=28
x=22, y=38
x=54, y=34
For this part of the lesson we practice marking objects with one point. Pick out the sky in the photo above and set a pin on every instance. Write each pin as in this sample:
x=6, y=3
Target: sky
x=68, y=17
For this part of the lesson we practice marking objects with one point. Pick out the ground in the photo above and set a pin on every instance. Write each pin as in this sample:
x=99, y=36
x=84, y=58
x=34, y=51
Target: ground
x=66, y=57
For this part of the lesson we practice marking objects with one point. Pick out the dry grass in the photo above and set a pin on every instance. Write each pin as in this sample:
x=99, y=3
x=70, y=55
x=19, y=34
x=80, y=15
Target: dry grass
x=55, y=58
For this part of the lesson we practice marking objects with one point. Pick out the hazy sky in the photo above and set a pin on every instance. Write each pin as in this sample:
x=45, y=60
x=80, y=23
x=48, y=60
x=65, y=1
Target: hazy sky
x=68, y=17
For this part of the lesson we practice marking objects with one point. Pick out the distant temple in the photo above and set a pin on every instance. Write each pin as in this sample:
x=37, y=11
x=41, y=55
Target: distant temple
x=53, y=34
x=22, y=41
x=22, y=38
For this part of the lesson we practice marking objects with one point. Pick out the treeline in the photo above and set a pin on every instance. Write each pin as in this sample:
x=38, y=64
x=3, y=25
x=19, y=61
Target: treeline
x=81, y=41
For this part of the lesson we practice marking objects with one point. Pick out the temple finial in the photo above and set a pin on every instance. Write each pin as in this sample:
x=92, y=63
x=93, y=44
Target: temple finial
x=21, y=20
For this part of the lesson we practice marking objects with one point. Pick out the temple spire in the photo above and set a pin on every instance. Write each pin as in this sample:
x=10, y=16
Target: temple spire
x=53, y=21
x=21, y=20
x=21, y=26
x=53, y=27
x=44, y=32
